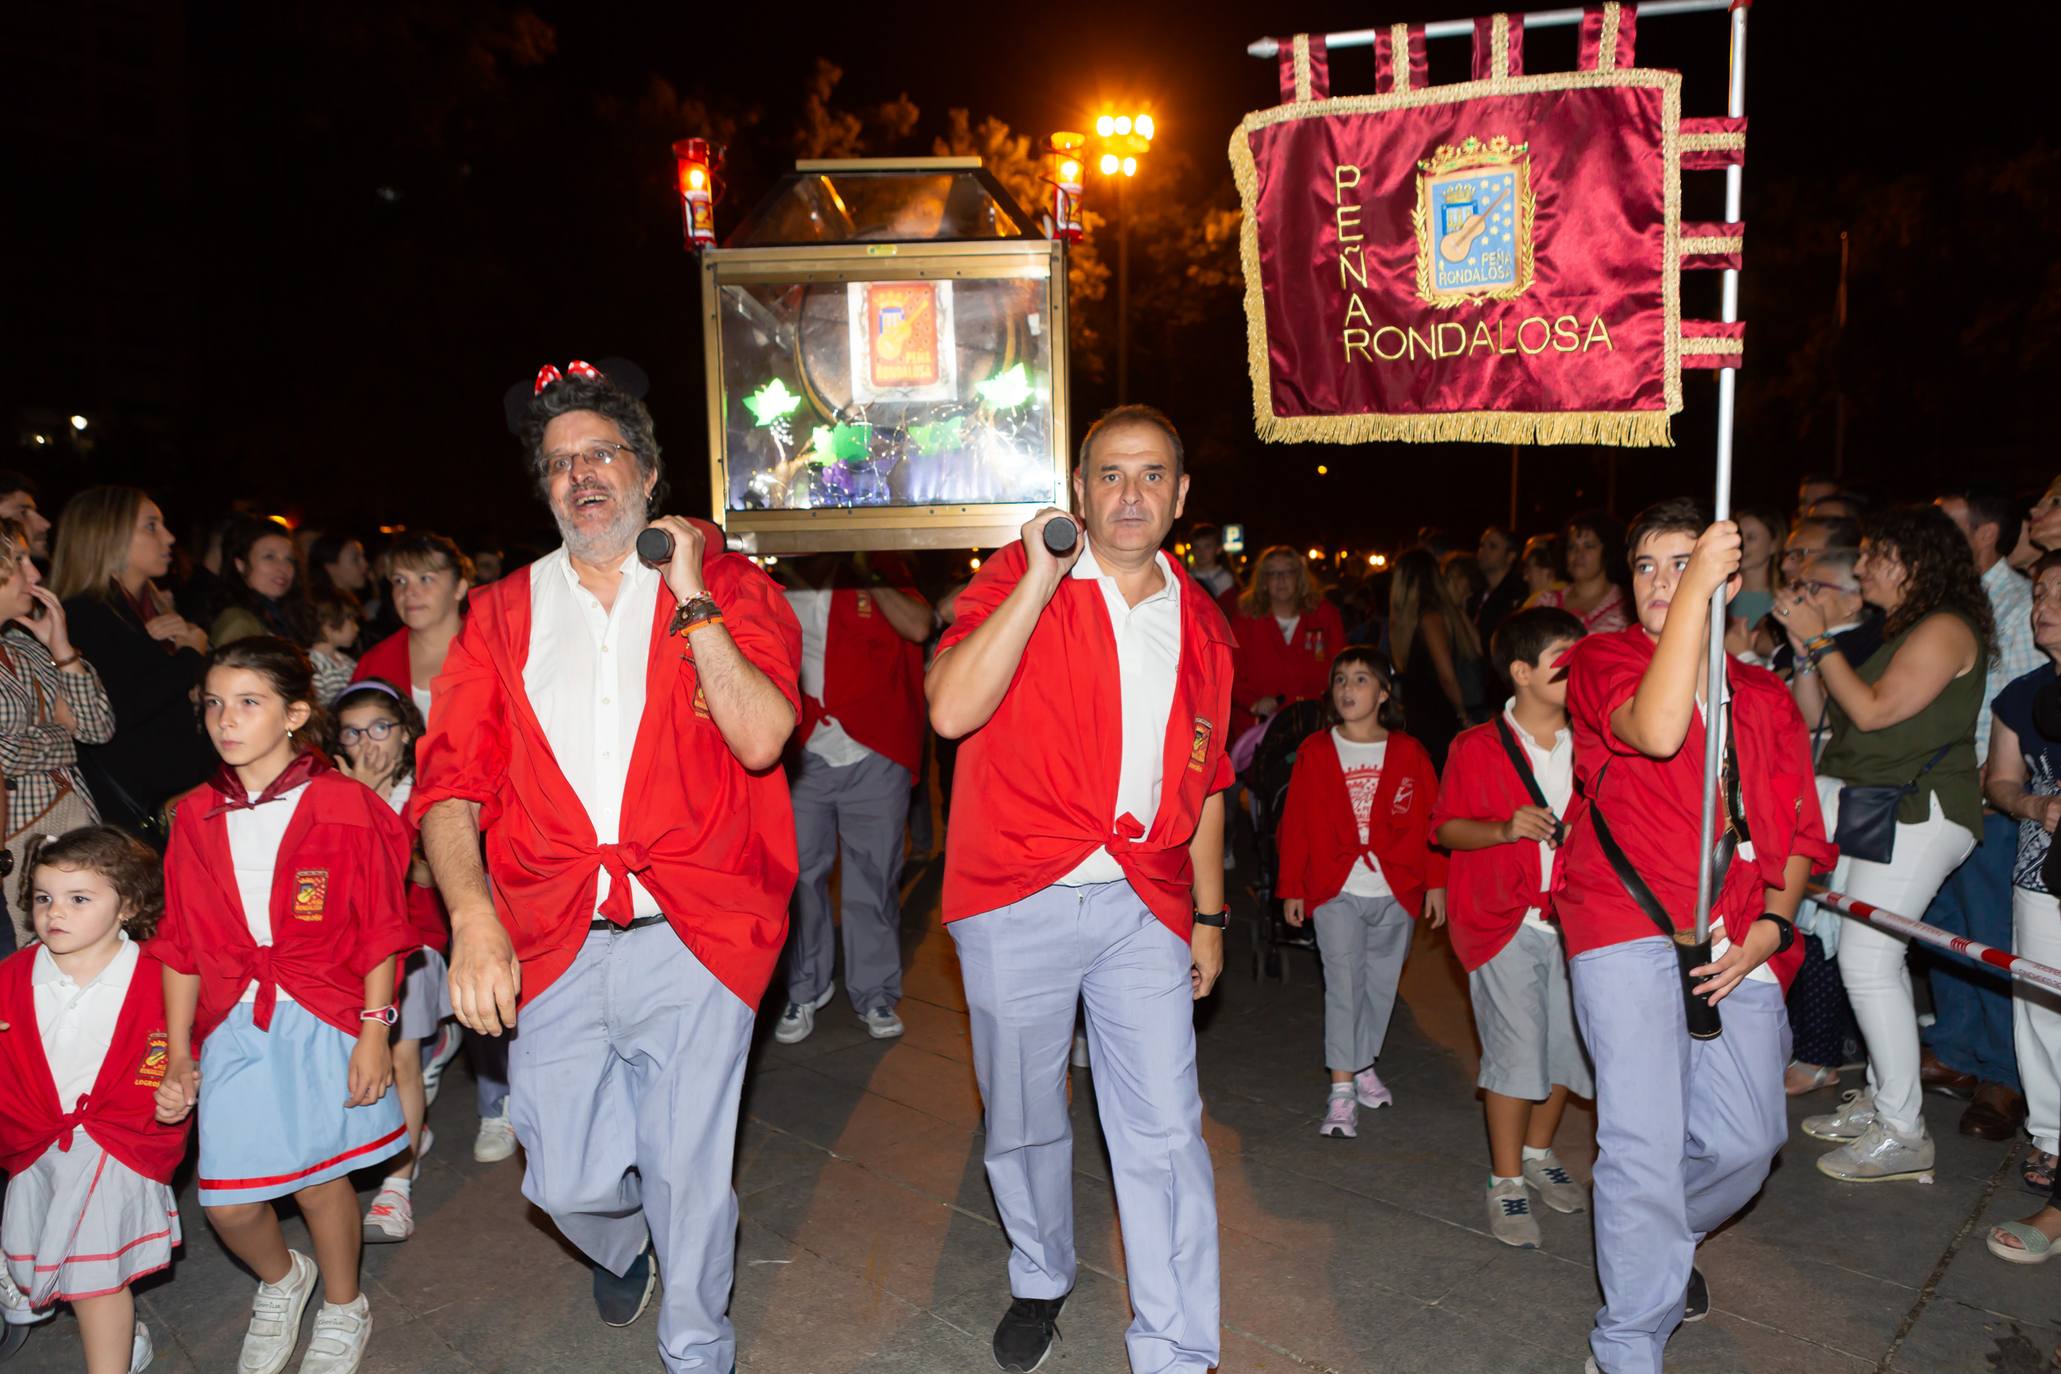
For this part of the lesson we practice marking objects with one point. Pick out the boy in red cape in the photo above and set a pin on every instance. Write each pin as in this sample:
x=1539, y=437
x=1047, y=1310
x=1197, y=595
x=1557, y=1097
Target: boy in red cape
x=615, y=729
x=1685, y=1129
x=1506, y=786
x=1085, y=863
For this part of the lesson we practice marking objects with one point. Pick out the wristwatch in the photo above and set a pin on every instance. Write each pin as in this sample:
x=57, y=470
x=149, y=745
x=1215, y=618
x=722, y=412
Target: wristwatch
x=387, y=1015
x=1783, y=924
x=1216, y=920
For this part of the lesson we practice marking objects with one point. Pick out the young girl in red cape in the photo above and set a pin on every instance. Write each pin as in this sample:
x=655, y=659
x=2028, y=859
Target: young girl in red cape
x=1357, y=862
x=374, y=728
x=89, y=1132
x=285, y=919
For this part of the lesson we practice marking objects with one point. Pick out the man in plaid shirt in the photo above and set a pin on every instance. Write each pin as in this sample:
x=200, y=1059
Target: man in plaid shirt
x=1969, y=1050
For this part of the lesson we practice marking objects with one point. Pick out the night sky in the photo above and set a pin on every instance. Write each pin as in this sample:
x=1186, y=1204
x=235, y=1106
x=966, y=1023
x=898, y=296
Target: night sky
x=299, y=255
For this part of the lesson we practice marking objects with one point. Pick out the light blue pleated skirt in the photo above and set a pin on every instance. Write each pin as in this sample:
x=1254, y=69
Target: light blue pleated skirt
x=272, y=1113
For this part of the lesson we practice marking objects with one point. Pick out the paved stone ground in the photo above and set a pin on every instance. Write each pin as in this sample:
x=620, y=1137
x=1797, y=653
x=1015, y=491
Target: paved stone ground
x=869, y=1243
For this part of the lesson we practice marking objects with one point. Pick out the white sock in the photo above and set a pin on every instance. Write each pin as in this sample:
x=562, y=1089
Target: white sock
x=404, y=1186
x=1493, y=1180
x=1530, y=1153
x=1342, y=1089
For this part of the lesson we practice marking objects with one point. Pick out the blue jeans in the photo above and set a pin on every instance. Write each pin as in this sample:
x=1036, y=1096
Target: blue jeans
x=1972, y=1002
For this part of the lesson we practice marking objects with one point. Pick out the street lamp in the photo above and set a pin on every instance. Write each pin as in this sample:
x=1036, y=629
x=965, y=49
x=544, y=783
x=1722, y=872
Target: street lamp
x=1125, y=138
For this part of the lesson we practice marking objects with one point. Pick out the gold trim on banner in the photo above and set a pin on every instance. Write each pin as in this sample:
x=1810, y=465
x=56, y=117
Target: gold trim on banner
x=1697, y=246
x=1724, y=141
x=1499, y=48
x=1399, y=55
x=1302, y=69
x=1606, y=48
x=1712, y=346
x=1632, y=429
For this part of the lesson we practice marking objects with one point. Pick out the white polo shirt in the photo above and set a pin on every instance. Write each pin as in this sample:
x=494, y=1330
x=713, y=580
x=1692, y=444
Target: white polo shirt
x=78, y=1023
x=1554, y=769
x=828, y=741
x=255, y=834
x=1148, y=659
x=585, y=678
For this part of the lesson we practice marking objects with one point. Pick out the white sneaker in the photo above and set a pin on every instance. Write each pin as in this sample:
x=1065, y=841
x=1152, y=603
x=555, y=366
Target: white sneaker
x=390, y=1218
x=1341, y=1115
x=1509, y=1215
x=141, y=1352
x=338, y=1343
x=1555, y=1186
x=275, y=1319
x=450, y=1039
x=496, y=1138
x=14, y=1304
x=881, y=1023
x=798, y=1022
x=1370, y=1090
x=1855, y=1115
x=1880, y=1156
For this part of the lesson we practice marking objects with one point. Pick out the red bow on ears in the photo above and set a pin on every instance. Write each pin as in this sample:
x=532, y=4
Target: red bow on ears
x=547, y=375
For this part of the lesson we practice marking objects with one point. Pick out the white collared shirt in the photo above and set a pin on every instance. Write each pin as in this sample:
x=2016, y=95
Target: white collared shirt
x=78, y=1023
x=1554, y=769
x=255, y=834
x=828, y=740
x=1148, y=659
x=585, y=678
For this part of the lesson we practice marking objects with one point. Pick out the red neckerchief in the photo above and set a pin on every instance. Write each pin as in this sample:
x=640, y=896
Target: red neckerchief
x=235, y=797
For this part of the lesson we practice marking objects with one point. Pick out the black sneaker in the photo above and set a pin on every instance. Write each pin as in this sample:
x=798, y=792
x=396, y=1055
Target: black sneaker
x=621, y=1301
x=1696, y=1302
x=12, y=1339
x=1026, y=1332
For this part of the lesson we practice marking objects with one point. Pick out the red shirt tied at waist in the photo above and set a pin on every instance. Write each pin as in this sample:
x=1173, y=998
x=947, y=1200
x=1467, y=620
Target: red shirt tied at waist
x=1489, y=889
x=872, y=676
x=1655, y=806
x=1320, y=835
x=120, y=1110
x=712, y=840
x=337, y=909
x=1037, y=783
x=1294, y=668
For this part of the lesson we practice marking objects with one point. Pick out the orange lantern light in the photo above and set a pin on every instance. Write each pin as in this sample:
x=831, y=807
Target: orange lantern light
x=1066, y=157
x=700, y=166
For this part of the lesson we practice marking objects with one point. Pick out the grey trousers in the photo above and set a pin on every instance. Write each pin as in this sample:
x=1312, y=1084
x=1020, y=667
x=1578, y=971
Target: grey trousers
x=1025, y=967
x=1686, y=1131
x=1364, y=941
x=860, y=811
x=623, y=1090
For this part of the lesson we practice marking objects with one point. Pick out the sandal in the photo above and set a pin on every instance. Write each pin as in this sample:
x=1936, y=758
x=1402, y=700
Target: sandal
x=2038, y=1171
x=2033, y=1246
x=1800, y=1078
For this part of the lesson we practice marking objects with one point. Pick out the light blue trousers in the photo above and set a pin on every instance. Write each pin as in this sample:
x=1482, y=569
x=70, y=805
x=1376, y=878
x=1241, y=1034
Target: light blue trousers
x=623, y=1090
x=1025, y=967
x=1685, y=1133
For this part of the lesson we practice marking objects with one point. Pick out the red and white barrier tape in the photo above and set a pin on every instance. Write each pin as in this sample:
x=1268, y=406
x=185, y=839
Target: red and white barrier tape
x=2038, y=974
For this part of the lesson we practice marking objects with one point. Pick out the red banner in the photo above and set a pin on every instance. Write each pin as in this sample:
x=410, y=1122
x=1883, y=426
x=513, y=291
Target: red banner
x=1493, y=260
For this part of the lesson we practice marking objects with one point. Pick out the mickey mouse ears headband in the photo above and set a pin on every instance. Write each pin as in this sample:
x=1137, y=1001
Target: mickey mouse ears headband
x=620, y=373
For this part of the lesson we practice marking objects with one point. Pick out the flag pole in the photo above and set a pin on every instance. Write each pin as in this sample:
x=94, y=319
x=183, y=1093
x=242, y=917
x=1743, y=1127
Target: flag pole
x=1721, y=508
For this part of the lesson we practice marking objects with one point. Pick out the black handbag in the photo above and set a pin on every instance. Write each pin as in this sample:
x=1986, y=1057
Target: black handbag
x=1703, y=1020
x=1867, y=815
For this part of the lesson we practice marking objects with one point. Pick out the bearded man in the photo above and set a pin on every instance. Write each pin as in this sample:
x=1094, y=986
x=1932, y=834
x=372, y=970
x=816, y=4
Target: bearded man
x=614, y=730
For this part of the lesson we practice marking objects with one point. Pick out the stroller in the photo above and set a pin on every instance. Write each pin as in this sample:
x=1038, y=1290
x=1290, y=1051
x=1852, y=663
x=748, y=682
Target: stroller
x=1266, y=784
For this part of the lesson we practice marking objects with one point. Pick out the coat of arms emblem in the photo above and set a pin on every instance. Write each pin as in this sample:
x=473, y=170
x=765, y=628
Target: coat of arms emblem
x=1474, y=222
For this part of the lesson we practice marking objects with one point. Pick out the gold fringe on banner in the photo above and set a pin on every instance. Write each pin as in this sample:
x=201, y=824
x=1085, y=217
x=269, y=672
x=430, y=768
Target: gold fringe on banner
x=1629, y=429
x=1624, y=429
